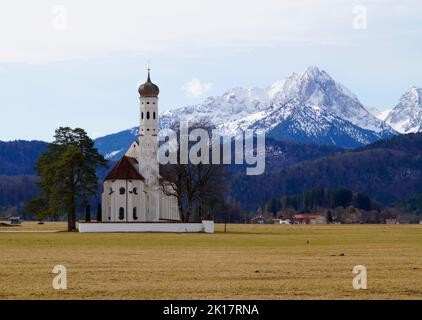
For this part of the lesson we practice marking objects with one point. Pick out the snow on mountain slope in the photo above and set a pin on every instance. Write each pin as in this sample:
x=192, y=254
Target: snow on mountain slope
x=234, y=105
x=305, y=107
x=312, y=124
x=240, y=108
x=380, y=114
x=112, y=146
x=406, y=116
x=316, y=87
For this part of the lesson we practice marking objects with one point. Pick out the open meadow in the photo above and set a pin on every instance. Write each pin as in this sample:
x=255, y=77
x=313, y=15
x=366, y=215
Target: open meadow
x=247, y=262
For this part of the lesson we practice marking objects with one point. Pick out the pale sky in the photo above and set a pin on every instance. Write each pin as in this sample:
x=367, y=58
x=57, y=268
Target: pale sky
x=79, y=63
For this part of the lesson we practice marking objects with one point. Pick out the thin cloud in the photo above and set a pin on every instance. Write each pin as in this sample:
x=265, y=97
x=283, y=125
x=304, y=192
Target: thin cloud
x=195, y=88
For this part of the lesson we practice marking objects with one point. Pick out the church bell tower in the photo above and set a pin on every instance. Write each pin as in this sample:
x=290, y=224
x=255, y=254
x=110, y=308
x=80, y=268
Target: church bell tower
x=148, y=143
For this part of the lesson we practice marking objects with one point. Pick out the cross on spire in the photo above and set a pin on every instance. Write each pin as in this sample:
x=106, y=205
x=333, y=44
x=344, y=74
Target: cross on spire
x=149, y=70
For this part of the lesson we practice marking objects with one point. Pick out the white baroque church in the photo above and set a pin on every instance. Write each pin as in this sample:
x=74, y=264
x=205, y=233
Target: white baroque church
x=132, y=191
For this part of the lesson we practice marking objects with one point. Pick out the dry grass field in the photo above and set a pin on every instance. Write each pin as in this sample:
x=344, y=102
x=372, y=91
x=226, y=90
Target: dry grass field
x=247, y=262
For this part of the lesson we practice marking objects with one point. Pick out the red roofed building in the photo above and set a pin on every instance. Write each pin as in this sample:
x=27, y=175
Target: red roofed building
x=309, y=218
x=126, y=169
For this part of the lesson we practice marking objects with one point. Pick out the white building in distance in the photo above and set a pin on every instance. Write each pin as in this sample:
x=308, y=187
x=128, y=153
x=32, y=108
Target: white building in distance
x=132, y=191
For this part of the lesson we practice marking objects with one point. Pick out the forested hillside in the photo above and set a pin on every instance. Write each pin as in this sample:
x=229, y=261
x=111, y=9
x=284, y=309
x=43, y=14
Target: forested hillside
x=16, y=190
x=18, y=157
x=319, y=200
x=411, y=205
x=387, y=171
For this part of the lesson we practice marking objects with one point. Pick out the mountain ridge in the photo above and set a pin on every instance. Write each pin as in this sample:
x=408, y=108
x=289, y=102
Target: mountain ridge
x=306, y=107
x=312, y=87
x=406, y=116
x=309, y=107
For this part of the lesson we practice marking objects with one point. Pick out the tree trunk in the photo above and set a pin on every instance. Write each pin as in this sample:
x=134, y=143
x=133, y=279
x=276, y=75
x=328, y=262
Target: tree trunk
x=189, y=209
x=69, y=222
x=188, y=213
x=71, y=219
x=201, y=208
x=88, y=213
x=99, y=213
x=180, y=206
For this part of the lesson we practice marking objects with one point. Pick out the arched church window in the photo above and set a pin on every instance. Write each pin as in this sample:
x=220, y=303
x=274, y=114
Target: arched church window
x=135, y=190
x=147, y=114
x=142, y=115
x=135, y=216
x=153, y=115
x=122, y=190
x=121, y=213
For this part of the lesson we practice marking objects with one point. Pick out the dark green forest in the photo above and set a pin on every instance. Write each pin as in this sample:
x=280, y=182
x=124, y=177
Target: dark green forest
x=387, y=172
x=319, y=200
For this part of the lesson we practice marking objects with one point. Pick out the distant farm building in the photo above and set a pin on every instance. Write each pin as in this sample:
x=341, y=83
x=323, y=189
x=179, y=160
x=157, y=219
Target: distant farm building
x=309, y=218
x=390, y=221
x=281, y=221
x=15, y=220
x=262, y=219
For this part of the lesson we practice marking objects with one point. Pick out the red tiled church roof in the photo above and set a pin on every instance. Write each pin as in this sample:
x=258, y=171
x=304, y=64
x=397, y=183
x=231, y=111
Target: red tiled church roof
x=125, y=170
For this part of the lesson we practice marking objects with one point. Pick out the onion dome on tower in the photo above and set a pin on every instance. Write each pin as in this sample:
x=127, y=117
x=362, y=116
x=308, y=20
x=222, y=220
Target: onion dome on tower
x=148, y=89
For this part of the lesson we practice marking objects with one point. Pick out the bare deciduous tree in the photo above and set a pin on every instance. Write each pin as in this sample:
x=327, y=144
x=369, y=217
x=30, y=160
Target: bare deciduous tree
x=191, y=183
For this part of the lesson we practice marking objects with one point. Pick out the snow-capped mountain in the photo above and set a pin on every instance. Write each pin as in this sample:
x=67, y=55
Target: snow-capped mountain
x=406, y=116
x=380, y=114
x=312, y=124
x=316, y=87
x=309, y=101
x=305, y=107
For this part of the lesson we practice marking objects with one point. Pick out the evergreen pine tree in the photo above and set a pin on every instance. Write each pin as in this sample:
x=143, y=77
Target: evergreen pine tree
x=67, y=171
